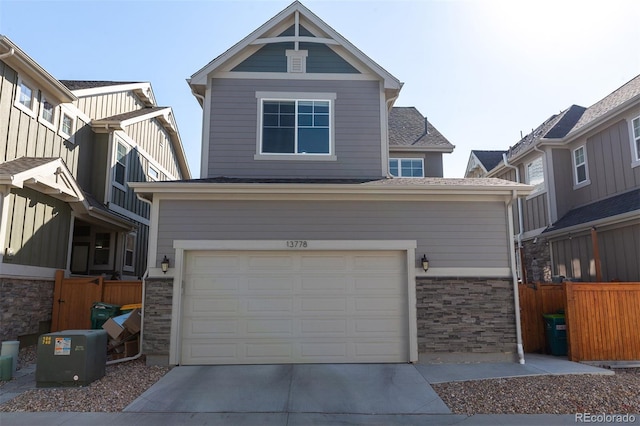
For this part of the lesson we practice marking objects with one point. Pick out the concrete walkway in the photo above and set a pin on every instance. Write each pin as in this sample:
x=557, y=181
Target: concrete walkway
x=315, y=394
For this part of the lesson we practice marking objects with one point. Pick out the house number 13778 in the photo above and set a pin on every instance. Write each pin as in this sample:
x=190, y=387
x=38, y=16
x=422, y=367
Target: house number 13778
x=297, y=244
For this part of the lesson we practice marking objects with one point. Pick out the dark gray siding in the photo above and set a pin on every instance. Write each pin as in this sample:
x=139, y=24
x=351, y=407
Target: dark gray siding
x=136, y=172
x=609, y=164
x=451, y=234
x=233, y=130
x=618, y=249
x=38, y=229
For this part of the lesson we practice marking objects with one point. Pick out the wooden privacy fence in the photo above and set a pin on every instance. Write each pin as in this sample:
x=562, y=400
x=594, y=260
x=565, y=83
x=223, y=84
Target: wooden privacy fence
x=74, y=297
x=603, y=321
x=535, y=301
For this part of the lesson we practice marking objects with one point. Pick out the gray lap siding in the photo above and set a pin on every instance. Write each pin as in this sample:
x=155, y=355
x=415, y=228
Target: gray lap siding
x=234, y=121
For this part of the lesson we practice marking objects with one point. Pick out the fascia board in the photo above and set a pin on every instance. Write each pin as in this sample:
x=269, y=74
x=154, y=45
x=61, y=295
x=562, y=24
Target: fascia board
x=148, y=116
x=606, y=221
x=24, y=64
x=81, y=93
x=418, y=149
x=41, y=174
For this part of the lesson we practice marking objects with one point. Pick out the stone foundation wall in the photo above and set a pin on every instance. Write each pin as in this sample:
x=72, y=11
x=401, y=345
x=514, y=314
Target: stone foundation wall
x=465, y=316
x=157, y=319
x=25, y=307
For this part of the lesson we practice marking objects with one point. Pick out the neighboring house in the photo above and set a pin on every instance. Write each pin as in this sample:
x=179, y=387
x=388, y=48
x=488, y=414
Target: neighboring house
x=415, y=146
x=585, y=166
x=296, y=245
x=68, y=151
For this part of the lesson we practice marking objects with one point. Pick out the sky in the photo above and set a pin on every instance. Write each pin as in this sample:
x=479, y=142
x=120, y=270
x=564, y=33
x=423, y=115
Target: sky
x=483, y=71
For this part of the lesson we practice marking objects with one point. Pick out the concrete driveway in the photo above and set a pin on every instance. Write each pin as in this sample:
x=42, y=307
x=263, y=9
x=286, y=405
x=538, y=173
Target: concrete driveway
x=302, y=388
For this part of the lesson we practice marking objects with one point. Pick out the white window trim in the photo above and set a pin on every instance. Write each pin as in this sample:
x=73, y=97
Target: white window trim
x=399, y=159
x=115, y=162
x=64, y=111
x=587, y=181
x=635, y=151
x=42, y=120
x=34, y=98
x=151, y=177
x=539, y=189
x=296, y=96
x=125, y=267
x=109, y=265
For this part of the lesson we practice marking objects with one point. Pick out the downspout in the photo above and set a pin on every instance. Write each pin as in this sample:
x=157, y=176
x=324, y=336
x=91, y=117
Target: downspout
x=139, y=354
x=516, y=296
x=520, y=218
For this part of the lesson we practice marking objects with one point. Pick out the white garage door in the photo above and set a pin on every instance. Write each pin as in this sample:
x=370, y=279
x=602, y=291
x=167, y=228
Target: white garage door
x=263, y=307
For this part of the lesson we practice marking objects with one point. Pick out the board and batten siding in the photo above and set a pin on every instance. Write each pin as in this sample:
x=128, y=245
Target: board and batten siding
x=573, y=257
x=609, y=161
x=108, y=104
x=136, y=172
x=37, y=221
x=233, y=130
x=22, y=135
x=154, y=139
x=451, y=234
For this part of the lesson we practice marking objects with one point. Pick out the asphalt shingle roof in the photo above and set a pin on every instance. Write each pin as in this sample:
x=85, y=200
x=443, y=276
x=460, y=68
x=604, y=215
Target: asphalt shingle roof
x=489, y=159
x=609, y=207
x=23, y=164
x=407, y=128
x=91, y=84
x=132, y=114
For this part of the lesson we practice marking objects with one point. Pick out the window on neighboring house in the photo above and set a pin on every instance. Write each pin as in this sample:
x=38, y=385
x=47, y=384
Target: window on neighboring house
x=581, y=174
x=296, y=127
x=102, y=249
x=66, y=125
x=120, y=174
x=129, y=251
x=154, y=175
x=25, y=97
x=406, y=167
x=535, y=174
x=635, y=124
x=47, y=111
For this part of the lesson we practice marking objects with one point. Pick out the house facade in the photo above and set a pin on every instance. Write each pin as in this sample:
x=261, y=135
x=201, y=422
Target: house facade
x=582, y=222
x=69, y=149
x=298, y=245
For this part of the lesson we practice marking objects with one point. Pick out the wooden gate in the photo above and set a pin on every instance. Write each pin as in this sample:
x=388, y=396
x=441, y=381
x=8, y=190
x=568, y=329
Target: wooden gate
x=535, y=301
x=74, y=297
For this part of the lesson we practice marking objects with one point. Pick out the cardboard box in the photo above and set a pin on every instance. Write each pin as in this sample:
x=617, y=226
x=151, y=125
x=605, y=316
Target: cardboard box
x=129, y=322
x=131, y=347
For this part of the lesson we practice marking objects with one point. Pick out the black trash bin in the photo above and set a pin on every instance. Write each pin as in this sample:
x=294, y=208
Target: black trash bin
x=101, y=312
x=556, y=331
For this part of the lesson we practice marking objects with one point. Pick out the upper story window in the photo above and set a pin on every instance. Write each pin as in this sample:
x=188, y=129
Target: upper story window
x=67, y=125
x=635, y=126
x=120, y=172
x=26, y=97
x=580, y=171
x=296, y=128
x=535, y=174
x=47, y=111
x=406, y=167
x=154, y=175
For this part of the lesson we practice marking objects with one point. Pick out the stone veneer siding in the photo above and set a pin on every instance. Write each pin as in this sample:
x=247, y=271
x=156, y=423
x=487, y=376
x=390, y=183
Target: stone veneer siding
x=157, y=319
x=465, y=315
x=25, y=305
x=537, y=260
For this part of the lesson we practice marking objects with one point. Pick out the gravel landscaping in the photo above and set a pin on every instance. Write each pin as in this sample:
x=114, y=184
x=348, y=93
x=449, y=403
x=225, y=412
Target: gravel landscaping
x=567, y=394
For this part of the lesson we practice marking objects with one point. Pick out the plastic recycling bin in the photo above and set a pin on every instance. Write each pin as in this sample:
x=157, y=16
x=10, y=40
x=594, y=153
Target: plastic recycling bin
x=556, y=332
x=101, y=312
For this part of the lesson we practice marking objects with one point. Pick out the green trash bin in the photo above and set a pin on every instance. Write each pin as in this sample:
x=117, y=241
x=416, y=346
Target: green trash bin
x=556, y=331
x=101, y=312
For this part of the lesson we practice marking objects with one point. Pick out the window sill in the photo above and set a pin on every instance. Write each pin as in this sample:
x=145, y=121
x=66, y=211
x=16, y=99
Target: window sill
x=25, y=109
x=635, y=163
x=582, y=184
x=296, y=157
x=47, y=123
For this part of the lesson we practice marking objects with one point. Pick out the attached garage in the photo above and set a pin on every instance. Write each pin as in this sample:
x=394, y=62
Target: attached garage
x=294, y=306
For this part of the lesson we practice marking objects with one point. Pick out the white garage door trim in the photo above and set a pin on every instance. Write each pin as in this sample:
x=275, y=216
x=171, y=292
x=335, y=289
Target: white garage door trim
x=181, y=246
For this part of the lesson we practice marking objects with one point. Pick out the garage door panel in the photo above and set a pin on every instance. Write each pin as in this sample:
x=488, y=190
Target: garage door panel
x=294, y=307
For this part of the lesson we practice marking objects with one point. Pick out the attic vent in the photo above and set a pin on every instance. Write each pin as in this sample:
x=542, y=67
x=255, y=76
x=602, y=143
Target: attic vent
x=297, y=61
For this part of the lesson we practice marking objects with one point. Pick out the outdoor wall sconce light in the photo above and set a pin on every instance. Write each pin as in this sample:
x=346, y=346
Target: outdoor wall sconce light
x=165, y=264
x=425, y=262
